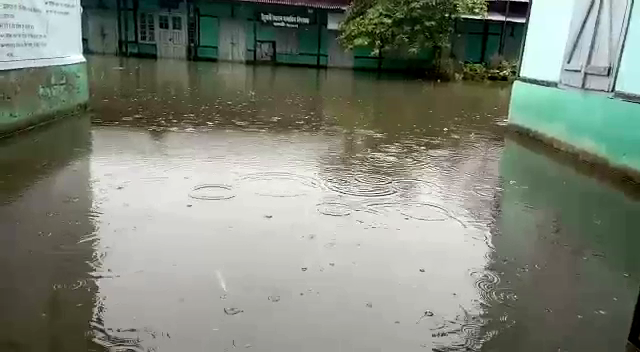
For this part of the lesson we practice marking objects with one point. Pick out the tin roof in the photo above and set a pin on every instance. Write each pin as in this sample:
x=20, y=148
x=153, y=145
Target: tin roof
x=494, y=16
x=317, y=4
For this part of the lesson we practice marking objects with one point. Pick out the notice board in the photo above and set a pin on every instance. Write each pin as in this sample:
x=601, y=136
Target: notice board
x=36, y=33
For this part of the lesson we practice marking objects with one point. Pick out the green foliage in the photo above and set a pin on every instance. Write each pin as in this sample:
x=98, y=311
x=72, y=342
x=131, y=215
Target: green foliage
x=498, y=70
x=411, y=25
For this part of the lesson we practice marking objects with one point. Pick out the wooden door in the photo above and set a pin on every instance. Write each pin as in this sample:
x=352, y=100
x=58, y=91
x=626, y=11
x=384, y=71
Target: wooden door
x=596, y=36
x=232, y=45
x=172, y=36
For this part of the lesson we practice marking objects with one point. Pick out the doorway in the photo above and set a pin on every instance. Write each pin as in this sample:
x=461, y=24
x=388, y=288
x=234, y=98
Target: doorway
x=265, y=51
x=232, y=46
x=101, y=33
x=172, y=35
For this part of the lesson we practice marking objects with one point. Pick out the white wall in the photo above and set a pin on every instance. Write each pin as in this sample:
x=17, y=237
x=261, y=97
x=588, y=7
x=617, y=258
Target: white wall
x=629, y=73
x=546, y=39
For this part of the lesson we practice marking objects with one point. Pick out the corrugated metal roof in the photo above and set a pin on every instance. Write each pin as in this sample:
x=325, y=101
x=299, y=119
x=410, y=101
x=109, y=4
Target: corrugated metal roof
x=495, y=16
x=317, y=4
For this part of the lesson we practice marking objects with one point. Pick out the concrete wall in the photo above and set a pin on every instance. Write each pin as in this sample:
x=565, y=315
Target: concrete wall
x=338, y=55
x=546, y=39
x=628, y=80
x=582, y=121
x=598, y=126
x=32, y=95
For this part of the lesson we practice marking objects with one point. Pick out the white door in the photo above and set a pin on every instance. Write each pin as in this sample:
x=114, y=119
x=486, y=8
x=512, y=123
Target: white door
x=232, y=45
x=172, y=35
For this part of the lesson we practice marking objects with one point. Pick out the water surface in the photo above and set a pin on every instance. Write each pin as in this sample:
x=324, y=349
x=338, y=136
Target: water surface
x=209, y=207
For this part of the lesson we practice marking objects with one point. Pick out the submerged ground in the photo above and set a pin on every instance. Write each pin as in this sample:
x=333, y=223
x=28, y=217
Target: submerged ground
x=212, y=207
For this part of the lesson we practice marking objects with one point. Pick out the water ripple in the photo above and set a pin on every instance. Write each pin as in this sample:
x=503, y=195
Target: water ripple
x=107, y=339
x=487, y=283
x=279, y=184
x=211, y=192
x=360, y=185
x=425, y=212
x=334, y=209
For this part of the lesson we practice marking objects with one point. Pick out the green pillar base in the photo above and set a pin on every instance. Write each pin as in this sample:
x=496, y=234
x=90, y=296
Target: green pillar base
x=592, y=125
x=37, y=95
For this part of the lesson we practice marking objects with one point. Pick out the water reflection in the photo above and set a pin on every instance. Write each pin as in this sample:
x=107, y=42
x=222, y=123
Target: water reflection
x=46, y=290
x=260, y=182
x=276, y=208
x=566, y=252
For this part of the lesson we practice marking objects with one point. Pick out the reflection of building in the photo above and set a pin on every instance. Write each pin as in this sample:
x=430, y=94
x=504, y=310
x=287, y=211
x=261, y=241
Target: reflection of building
x=301, y=32
x=46, y=296
x=580, y=83
x=565, y=248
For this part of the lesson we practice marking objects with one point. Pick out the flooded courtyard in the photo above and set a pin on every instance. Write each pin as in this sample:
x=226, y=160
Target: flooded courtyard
x=213, y=207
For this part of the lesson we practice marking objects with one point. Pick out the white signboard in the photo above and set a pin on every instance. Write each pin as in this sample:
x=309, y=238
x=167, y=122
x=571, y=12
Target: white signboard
x=37, y=33
x=284, y=21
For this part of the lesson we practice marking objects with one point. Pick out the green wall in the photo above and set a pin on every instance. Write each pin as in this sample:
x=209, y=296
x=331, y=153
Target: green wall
x=629, y=72
x=33, y=95
x=209, y=30
x=208, y=37
x=293, y=46
x=546, y=39
x=591, y=122
x=470, y=34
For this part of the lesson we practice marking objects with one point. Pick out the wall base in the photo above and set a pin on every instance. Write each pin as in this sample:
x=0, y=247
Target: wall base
x=37, y=95
x=590, y=125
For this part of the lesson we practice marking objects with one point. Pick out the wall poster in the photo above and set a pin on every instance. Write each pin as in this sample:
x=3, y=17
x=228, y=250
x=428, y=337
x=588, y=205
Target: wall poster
x=35, y=33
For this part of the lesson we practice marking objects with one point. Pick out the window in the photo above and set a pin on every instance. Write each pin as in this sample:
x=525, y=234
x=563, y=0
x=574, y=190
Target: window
x=176, y=23
x=147, y=28
x=595, y=42
x=163, y=22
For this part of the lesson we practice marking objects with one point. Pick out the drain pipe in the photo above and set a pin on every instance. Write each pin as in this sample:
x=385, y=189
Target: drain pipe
x=504, y=28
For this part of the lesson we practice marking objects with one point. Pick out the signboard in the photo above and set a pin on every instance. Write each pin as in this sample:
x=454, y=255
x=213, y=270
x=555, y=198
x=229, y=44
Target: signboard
x=291, y=21
x=36, y=33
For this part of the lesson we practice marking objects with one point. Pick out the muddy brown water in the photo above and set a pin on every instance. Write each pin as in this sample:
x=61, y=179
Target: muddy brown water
x=213, y=207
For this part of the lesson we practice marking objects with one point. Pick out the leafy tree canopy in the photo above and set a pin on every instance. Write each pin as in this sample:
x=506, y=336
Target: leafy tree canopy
x=407, y=24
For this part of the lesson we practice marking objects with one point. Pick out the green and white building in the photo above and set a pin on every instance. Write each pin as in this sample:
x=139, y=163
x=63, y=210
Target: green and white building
x=579, y=85
x=293, y=32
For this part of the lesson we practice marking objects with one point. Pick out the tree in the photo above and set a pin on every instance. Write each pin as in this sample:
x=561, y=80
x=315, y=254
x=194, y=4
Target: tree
x=412, y=25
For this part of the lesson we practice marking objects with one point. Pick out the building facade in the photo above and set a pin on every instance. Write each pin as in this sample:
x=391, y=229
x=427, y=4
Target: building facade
x=42, y=70
x=579, y=85
x=496, y=36
x=293, y=32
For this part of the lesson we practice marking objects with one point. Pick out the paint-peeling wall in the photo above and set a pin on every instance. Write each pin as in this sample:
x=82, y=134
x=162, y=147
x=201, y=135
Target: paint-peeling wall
x=30, y=96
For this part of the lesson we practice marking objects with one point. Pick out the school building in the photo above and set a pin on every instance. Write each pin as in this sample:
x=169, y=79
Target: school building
x=295, y=32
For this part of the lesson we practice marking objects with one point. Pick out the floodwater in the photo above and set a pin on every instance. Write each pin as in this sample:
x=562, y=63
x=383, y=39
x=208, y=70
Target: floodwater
x=218, y=207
